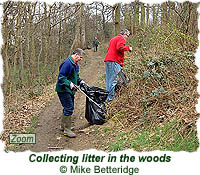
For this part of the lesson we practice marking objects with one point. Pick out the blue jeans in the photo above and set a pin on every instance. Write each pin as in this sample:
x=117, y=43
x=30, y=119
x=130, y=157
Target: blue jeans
x=67, y=101
x=112, y=70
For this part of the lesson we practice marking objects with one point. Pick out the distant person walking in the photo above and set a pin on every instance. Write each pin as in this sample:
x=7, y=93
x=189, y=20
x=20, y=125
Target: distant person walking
x=67, y=79
x=95, y=44
x=114, y=61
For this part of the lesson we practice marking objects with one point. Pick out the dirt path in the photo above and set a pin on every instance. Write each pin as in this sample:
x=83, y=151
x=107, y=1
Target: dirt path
x=48, y=135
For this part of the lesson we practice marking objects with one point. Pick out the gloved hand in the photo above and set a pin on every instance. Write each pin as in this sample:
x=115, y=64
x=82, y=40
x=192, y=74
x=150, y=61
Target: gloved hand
x=130, y=49
x=72, y=87
x=82, y=82
x=83, y=85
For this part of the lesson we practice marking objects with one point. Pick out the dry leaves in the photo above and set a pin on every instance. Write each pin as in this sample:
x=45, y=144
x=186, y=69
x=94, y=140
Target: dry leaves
x=20, y=110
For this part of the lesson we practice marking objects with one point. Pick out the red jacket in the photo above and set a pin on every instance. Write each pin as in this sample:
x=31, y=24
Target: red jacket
x=116, y=49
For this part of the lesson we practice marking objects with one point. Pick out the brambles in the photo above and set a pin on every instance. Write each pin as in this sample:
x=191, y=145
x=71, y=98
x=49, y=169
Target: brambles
x=162, y=90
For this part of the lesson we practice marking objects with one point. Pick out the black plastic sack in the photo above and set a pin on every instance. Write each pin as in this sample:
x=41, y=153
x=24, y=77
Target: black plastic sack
x=94, y=114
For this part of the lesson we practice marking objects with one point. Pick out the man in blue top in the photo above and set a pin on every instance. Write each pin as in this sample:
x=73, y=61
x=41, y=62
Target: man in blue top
x=67, y=79
x=95, y=44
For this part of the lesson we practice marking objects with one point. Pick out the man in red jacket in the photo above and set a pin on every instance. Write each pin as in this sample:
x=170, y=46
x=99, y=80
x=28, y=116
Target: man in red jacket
x=114, y=61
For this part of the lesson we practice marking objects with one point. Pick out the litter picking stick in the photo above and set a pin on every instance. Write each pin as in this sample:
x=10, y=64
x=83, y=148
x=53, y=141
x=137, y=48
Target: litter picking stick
x=88, y=97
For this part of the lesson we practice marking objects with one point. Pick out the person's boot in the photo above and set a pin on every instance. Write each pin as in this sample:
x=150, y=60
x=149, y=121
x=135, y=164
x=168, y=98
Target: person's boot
x=67, y=126
x=62, y=123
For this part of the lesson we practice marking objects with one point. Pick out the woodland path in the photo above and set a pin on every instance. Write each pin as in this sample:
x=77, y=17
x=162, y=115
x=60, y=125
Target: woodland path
x=48, y=135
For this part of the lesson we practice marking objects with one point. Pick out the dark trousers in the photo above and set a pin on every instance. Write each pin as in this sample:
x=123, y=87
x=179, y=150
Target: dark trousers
x=67, y=101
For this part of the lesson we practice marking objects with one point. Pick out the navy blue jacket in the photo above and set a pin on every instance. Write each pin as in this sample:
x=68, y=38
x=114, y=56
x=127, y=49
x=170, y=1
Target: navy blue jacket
x=68, y=72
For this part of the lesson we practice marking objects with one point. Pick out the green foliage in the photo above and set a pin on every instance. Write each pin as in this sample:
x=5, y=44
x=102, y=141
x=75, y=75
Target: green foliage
x=34, y=122
x=102, y=77
x=121, y=142
x=165, y=137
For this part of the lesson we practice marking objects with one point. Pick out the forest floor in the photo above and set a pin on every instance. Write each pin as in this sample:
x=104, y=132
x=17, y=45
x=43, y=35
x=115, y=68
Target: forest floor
x=48, y=135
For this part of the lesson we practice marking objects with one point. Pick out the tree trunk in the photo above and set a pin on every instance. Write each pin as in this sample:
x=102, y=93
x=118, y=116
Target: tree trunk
x=76, y=42
x=47, y=40
x=83, y=34
x=28, y=53
x=127, y=17
x=142, y=15
x=96, y=23
x=117, y=19
x=147, y=14
x=59, y=40
x=154, y=15
x=41, y=47
x=5, y=51
x=21, y=71
x=194, y=21
x=164, y=14
x=136, y=14
x=17, y=44
x=33, y=55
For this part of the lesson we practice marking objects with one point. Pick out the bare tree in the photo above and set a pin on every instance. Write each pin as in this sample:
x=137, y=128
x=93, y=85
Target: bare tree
x=17, y=44
x=5, y=50
x=154, y=14
x=127, y=17
x=164, y=14
x=147, y=14
x=117, y=18
x=76, y=42
x=136, y=13
x=142, y=15
x=83, y=32
x=47, y=36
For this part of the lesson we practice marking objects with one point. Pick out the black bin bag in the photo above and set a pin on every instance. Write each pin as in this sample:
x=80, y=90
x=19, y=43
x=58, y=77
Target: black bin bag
x=94, y=114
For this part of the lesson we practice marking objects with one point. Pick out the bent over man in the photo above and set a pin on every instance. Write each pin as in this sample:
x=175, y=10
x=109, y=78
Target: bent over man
x=114, y=61
x=67, y=79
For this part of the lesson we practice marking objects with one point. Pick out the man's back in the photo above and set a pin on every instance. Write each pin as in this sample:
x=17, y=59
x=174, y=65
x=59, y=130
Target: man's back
x=114, y=53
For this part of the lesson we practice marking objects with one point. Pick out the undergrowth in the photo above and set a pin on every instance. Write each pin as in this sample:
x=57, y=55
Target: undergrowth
x=157, y=107
x=166, y=137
